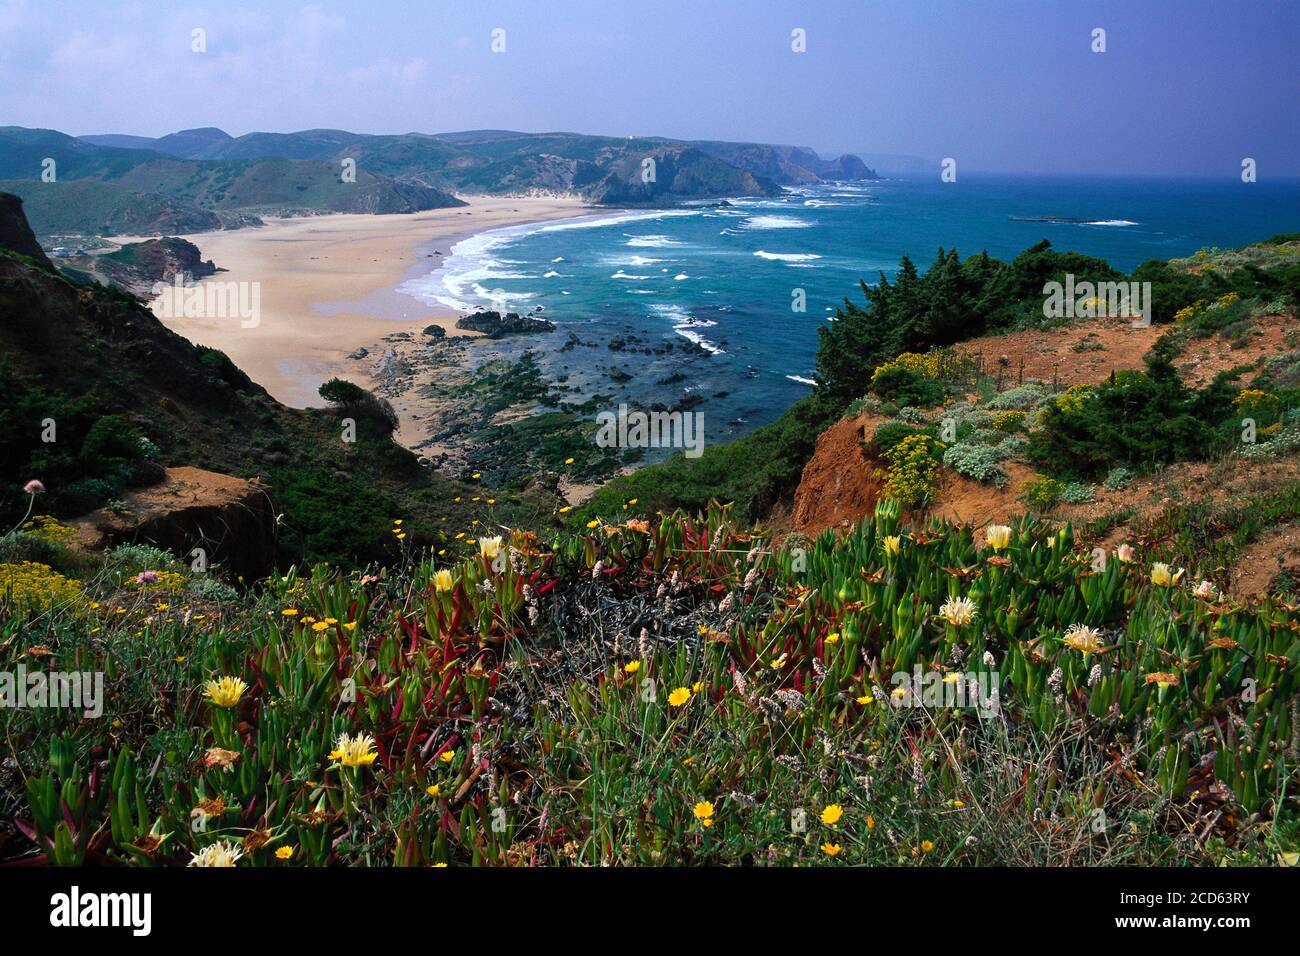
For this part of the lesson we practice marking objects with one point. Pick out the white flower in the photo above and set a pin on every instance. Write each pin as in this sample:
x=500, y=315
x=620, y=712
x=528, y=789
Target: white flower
x=997, y=536
x=958, y=611
x=223, y=853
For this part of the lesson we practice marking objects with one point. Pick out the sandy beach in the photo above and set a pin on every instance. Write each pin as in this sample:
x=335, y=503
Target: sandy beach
x=326, y=286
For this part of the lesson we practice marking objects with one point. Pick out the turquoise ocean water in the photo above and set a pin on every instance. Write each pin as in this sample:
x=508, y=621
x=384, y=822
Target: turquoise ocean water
x=700, y=297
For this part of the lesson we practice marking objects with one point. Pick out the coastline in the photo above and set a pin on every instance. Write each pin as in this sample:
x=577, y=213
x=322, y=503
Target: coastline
x=327, y=287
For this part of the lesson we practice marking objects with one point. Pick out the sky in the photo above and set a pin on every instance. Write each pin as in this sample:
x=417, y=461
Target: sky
x=1183, y=87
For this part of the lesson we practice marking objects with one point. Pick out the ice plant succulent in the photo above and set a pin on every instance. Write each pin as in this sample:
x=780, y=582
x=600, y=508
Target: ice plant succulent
x=997, y=537
x=225, y=692
x=221, y=853
x=1162, y=575
x=1080, y=637
x=358, y=751
x=958, y=611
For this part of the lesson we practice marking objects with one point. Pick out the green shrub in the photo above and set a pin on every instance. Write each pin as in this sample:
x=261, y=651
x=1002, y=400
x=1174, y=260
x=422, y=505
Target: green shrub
x=1134, y=419
x=1117, y=479
x=975, y=461
x=1077, y=493
x=1042, y=494
x=1019, y=398
x=905, y=387
x=1012, y=421
x=889, y=434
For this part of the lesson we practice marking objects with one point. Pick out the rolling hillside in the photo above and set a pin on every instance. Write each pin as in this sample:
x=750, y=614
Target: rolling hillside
x=101, y=189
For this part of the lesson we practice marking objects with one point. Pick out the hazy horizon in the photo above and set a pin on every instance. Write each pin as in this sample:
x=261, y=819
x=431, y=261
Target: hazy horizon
x=1183, y=89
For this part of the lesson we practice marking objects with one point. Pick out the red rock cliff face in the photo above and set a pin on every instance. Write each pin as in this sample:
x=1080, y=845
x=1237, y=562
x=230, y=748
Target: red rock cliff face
x=231, y=519
x=839, y=484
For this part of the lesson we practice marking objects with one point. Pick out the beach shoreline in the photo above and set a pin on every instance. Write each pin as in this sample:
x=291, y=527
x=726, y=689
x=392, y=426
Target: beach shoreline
x=327, y=286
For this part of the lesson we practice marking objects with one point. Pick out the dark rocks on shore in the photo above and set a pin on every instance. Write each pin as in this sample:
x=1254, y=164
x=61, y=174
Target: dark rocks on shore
x=390, y=366
x=435, y=331
x=619, y=375
x=359, y=353
x=495, y=325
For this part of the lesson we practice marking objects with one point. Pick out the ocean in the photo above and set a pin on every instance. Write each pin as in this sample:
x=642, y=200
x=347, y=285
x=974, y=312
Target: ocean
x=696, y=303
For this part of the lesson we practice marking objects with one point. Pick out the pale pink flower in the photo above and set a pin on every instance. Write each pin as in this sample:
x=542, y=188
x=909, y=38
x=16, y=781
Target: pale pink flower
x=34, y=487
x=147, y=577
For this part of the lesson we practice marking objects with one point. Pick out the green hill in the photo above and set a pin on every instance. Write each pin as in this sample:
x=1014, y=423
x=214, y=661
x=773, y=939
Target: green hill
x=136, y=187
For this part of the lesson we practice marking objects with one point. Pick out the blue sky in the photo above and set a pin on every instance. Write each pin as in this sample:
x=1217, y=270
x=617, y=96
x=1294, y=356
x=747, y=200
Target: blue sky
x=1184, y=88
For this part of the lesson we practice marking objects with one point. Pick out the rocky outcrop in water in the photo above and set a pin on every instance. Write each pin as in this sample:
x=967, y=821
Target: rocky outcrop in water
x=495, y=325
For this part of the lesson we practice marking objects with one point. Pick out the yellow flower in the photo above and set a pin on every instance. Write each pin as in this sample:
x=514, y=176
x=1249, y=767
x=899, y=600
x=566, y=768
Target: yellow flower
x=704, y=812
x=225, y=692
x=831, y=815
x=1162, y=575
x=432, y=790
x=447, y=756
x=1083, y=638
x=865, y=699
x=290, y=612
x=355, y=751
x=566, y=508
x=871, y=822
x=442, y=581
x=997, y=536
x=697, y=687
x=489, y=547
x=831, y=849
x=927, y=846
x=568, y=461
x=593, y=523
x=892, y=544
x=284, y=853
x=678, y=697
x=319, y=626
x=833, y=637
x=350, y=626
x=632, y=666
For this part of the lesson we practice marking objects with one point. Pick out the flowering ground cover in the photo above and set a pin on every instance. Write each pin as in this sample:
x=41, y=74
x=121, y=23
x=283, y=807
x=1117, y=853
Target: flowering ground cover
x=659, y=690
